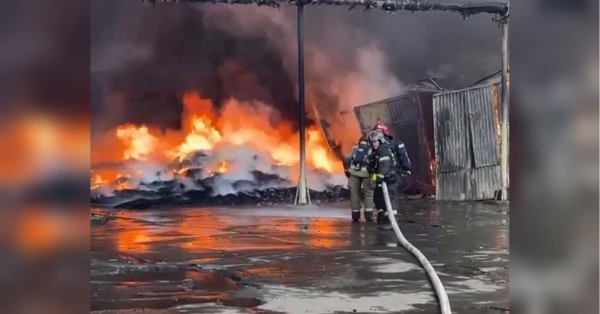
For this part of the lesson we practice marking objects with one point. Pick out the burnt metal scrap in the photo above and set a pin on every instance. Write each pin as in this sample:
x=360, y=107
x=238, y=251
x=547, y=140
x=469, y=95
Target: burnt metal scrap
x=465, y=9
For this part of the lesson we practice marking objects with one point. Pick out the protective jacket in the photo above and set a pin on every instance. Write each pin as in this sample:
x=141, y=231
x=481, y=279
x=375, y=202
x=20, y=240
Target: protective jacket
x=383, y=165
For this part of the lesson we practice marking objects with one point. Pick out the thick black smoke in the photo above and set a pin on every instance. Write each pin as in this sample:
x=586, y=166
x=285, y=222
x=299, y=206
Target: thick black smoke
x=148, y=57
x=434, y=44
x=144, y=57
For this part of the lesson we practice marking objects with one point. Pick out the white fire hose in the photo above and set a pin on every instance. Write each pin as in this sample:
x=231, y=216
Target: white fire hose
x=433, y=277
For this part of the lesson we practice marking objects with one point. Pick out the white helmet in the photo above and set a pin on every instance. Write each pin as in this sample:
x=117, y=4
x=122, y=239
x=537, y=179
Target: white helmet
x=376, y=135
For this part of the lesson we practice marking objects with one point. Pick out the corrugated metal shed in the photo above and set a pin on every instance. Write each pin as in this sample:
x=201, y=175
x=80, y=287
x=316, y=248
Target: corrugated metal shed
x=410, y=118
x=467, y=144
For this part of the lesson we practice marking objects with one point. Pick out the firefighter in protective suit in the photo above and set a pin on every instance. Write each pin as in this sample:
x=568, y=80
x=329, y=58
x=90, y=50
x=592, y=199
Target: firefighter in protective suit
x=398, y=149
x=359, y=181
x=382, y=169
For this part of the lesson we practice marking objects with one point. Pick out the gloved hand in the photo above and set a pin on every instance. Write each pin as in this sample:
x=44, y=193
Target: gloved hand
x=376, y=179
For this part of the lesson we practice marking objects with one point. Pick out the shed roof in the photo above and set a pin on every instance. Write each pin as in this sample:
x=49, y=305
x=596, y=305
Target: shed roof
x=494, y=78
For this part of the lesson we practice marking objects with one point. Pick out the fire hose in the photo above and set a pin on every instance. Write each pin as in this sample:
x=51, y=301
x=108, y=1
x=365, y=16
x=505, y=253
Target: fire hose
x=433, y=277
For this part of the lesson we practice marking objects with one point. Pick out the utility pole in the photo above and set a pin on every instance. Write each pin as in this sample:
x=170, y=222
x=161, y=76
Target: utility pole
x=302, y=193
x=504, y=111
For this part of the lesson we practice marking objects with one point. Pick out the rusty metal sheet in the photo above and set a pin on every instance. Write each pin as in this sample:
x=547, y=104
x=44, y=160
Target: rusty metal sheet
x=452, y=186
x=408, y=127
x=368, y=115
x=472, y=184
x=452, y=139
x=467, y=144
x=483, y=126
x=410, y=133
x=485, y=181
x=405, y=108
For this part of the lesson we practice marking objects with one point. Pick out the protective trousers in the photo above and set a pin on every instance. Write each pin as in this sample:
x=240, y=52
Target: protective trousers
x=379, y=200
x=361, y=193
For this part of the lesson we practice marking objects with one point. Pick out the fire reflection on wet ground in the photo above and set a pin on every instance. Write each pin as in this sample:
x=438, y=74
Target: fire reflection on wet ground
x=207, y=230
x=219, y=260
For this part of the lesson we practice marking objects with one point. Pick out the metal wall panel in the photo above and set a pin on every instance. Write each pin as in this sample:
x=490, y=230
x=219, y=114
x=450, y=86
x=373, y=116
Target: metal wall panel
x=466, y=128
x=474, y=184
x=368, y=115
x=452, y=186
x=485, y=181
x=417, y=151
x=483, y=126
x=426, y=106
x=404, y=108
x=451, y=132
x=408, y=127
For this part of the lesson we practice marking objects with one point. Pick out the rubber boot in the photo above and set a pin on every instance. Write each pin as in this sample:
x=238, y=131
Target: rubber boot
x=369, y=215
x=356, y=216
x=383, y=221
x=379, y=217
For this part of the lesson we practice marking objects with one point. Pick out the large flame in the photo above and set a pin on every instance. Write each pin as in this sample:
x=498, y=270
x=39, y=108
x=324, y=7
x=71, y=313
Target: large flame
x=238, y=124
x=139, y=142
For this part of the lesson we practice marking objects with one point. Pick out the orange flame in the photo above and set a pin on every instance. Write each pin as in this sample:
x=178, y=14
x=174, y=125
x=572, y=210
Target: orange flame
x=251, y=125
x=139, y=142
x=201, y=137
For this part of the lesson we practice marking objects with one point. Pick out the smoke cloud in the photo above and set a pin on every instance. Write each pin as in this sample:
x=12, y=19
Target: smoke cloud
x=144, y=58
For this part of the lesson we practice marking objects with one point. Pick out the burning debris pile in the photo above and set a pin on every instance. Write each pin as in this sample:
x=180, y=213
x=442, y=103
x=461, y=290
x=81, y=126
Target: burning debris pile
x=170, y=196
x=244, y=154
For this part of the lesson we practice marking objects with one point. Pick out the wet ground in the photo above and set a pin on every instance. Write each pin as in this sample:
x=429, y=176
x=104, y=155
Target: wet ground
x=297, y=260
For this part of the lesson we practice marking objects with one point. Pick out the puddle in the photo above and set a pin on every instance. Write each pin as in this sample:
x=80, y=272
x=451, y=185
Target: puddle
x=163, y=286
x=296, y=301
x=489, y=252
x=490, y=269
x=471, y=285
x=207, y=308
x=396, y=267
x=280, y=260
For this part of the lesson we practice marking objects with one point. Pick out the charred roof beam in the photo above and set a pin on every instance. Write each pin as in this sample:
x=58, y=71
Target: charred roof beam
x=465, y=9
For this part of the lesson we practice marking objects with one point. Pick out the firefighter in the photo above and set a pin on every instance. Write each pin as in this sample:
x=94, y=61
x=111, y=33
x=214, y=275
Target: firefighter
x=359, y=181
x=382, y=169
x=402, y=161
